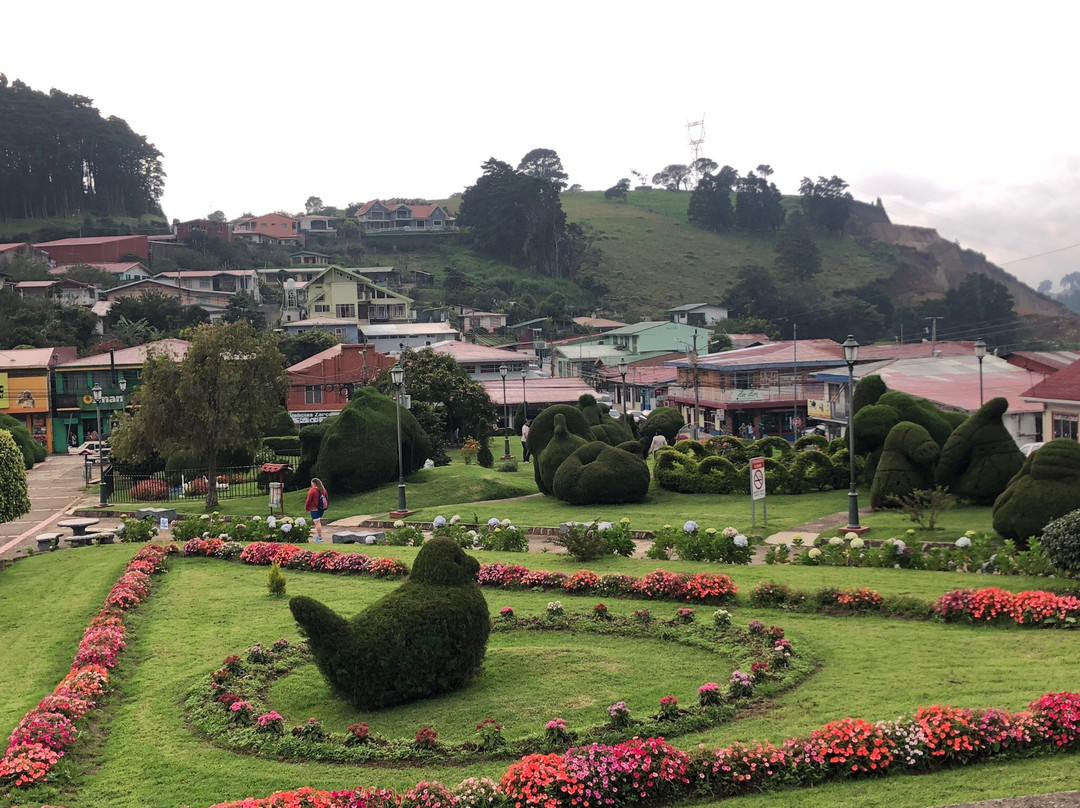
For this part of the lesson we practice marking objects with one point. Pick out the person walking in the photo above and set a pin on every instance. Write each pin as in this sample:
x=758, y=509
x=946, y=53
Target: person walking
x=525, y=442
x=316, y=504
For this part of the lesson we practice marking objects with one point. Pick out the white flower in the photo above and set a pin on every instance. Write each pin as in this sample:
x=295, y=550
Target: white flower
x=730, y=532
x=690, y=526
x=206, y=535
x=287, y=519
x=740, y=540
x=286, y=527
x=836, y=540
x=438, y=521
x=505, y=523
x=963, y=542
x=256, y=519
x=814, y=552
x=851, y=535
x=900, y=546
x=271, y=522
x=399, y=524
x=455, y=519
x=472, y=534
x=493, y=522
x=300, y=521
x=604, y=526
x=857, y=543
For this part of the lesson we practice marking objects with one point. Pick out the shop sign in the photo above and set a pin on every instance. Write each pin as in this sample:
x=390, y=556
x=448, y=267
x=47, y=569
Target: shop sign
x=310, y=417
x=818, y=408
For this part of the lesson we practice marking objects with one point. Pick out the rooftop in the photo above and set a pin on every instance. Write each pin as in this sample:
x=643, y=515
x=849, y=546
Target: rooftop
x=131, y=357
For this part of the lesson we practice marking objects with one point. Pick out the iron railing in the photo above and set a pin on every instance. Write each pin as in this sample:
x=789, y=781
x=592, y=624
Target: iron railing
x=186, y=484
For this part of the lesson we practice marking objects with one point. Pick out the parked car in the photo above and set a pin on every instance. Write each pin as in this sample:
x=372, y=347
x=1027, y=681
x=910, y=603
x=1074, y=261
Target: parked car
x=90, y=447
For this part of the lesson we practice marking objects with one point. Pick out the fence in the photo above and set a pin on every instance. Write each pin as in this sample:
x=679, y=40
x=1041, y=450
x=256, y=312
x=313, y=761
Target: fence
x=187, y=484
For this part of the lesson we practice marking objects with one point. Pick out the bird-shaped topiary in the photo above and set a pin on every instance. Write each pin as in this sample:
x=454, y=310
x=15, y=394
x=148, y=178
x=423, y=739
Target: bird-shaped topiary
x=980, y=456
x=599, y=474
x=560, y=446
x=1046, y=487
x=906, y=464
x=426, y=637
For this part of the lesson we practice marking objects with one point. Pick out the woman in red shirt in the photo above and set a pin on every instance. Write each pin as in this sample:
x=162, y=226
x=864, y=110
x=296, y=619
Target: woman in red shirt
x=315, y=504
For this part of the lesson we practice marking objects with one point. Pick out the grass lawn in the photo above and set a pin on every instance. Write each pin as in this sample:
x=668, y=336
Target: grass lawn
x=142, y=754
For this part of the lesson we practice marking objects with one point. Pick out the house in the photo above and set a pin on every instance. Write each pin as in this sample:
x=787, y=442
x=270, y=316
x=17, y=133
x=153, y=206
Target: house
x=314, y=224
x=202, y=227
x=535, y=393
x=98, y=249
x=306, y=257
x=344, y=329
x=225, y=281
x=642, y=387
x=376, y=217
x=210, y=301
x=9, y=252
x=1058, y=396
x=346, y=294
x=701, y=314
x=482, y=362
x=597, y=325
x=472, y=320
x=123, y=270
x=273, y=228
x=320, y=386
x=26, y=390
x=582, y=356
x=66, y=290
x=391, y=338
x=76, y=414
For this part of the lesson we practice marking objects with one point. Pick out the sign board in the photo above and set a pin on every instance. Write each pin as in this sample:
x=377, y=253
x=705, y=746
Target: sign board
x=311, y=416
x=818, y=408
x=757, y=478
x=164, y=523
x=3, y=391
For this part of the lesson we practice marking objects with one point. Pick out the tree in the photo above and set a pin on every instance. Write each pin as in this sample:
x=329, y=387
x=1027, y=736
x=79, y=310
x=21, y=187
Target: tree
x=313, y=205
x=544, y=164
x=162, y=313
x=642, y=177
x=753, y=294
x=14, y=499
x=219, y=397
x=796, y=251
x=710, y=203
x=619, y=190
x=298, y=347
x=216, y=216
x=826, y=203
x=242, y=306
x=757, y=204
x=980, y=306
x=672, y=177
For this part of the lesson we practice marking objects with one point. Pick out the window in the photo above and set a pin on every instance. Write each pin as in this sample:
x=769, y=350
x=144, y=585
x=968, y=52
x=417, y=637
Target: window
x=1065, y=425
x=204, y=283
x=742, y=380
x=312, y=394
x=322, y=308
x=345, y=310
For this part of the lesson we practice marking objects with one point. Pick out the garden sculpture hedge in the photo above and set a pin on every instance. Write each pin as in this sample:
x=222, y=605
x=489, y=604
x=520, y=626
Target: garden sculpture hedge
x=32, y=451
x=919, y=411
x=1061, y=543
x=358, y=450
x=980, y=456
x=543, y=428
x=906, y=464
x=559, y=446
x=426, y=637
x=666, y=421
x=687, y=468
x=1046, y=488
x=867, y=391
x=599, y=474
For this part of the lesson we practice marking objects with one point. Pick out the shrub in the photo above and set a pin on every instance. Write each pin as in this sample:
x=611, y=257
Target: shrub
x=283, y=445
x=923, y=507
x=906, y=464
x=507, y=464
x=1046, y=488
x=560, y=445
x=599, y=474
x=275, y=581
x=469, y=450
x=14, y=498
x=32, y=451
x=484, y=456
x=811, y=443
x=150, y=490
x=1061, y=542
x=595, y=540
x=812, y=471
x=426, y=637
x=980, y=456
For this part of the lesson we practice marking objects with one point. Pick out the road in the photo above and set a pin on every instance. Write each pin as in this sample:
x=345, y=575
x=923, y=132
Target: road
x=56, y=488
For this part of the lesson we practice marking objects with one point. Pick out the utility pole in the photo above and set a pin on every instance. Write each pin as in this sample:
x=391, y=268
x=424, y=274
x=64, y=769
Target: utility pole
x=694, y=356
x=795, y=382
x=933, y=333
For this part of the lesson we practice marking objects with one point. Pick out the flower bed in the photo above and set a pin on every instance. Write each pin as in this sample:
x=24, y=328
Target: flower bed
x=1032, y=608
x=212, y=708
x=40, y=740
x=289, y=556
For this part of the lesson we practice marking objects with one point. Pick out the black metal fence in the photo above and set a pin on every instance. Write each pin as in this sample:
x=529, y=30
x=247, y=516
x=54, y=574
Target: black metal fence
x=187, y=484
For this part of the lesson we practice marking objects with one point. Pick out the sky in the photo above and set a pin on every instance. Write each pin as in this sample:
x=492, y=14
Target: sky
x=958, y=115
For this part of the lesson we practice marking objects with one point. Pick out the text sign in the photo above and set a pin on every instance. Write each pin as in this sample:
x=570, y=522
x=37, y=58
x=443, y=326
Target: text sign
x=757, y=478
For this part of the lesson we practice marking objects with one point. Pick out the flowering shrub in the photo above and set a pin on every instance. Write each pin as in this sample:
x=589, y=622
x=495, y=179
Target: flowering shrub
x=620, y=714
x=26, y=764
x=240, y=713
x=428, y=795
x=405, y=535
x=722, y=619
x=272, y=723
x=502, y=535
x=1024, y=608
x=581, y=581
x=1061, y=713
x=669, y=708
x=473, y=792
x=554, y=609
x=357, y=734
x=426, y=738
x=851, y=746
x=311, y=730
x=507, y=613
x=150, y=490
x=556, y=734
x=859, y=599
x=600, y=612
x=642, y=616
x=491, y=737
x=709, y=694
x=684, y=615
x=741, y=685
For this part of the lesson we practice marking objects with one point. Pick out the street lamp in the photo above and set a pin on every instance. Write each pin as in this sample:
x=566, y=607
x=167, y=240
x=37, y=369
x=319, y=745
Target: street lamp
x=980, y=352
x=503, y=369
x=397, y=376
x=622, y=372
x=524, y=402
x=851, y=353
x=95, y=391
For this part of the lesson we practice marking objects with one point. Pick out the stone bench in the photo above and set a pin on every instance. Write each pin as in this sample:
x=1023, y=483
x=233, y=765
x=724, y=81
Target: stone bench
x=104, y=535
x=359, y=537
x=156, y=513
x=80, y=541
x=45, y=541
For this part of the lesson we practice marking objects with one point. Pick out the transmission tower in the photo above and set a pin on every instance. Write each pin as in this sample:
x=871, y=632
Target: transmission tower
x=695, y=132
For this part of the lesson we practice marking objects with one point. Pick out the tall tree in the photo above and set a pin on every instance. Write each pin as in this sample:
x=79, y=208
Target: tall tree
x=710, y=203
x=313, y=205
x=164, y=314
x=827, y=203
x=619, y=190
x=672, y=176
x=242, y=306
x=544, y=164
x=796, y=252
x=219, y=397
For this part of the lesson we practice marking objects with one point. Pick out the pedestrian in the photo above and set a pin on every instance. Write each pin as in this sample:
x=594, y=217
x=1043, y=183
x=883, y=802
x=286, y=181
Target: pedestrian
x=658, y=443
x=316, y=504
x=525, y=441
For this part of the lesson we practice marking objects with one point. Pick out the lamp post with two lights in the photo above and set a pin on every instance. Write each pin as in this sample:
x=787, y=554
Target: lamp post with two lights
x=397, y=376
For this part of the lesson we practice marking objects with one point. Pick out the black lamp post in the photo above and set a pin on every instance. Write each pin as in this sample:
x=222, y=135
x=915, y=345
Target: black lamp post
x=95, y=391
x=851, y=353
x=397, y=376
x=622, y=372
x=524, y=402
x=980, y=352
x=503, y=370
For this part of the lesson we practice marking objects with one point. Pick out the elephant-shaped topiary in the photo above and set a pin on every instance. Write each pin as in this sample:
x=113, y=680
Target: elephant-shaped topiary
x=1046, y=487
x=599, y=474
x=980, y=456
x=426, y=637
x=906, y=464
x=543, y=430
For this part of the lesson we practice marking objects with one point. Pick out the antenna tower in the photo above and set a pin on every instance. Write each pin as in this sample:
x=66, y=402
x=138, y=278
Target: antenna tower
x=695, y=132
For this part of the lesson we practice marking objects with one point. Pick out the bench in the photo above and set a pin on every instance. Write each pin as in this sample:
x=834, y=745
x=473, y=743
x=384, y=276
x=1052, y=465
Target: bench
x=104, y=535
x=45, y=541
x=80, y=541
x=357, y=537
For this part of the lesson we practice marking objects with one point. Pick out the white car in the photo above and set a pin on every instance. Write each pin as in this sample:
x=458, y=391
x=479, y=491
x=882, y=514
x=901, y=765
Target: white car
x=1028, y=448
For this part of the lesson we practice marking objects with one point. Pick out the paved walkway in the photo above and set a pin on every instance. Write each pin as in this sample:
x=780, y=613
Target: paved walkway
x=56, y=488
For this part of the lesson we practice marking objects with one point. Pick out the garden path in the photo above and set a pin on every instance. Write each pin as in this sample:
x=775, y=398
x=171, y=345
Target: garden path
x=1063, y=799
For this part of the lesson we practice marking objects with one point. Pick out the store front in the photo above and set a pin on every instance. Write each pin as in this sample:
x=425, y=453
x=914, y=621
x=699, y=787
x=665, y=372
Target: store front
x=26, y=399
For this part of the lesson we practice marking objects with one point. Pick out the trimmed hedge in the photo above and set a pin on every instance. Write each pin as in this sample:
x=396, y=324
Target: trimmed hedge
x=906, y=464
x=599, y=474
x=426, y=637
x=283, y=445
x=980, y=456
x=1046, y=488
x=32, y=451
x=560, y=445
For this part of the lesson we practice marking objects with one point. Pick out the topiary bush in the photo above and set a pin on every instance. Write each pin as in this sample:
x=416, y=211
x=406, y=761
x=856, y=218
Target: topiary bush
x=484, y=457
x=599, y=474
x=811, y=443
x=812, y=471
x=560, y=445
x=14, y=499
x=283, y=445
x=32, y=451
x=542, y=430
x=919, y=411
x=426, y=637
x=867, y=391
x=694, y=448
x=906, y=464
x=872, y=424
x=666, y=421
x=980, y=456
x=1046, y=487
x=359, y=451
x=1061, y=542
x=282, y=425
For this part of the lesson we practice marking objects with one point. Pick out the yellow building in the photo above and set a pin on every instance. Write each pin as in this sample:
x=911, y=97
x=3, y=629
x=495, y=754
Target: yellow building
x=26, y=387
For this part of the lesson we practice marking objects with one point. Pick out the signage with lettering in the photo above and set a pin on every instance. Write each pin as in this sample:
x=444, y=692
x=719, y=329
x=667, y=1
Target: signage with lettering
x=24, y=393
x=3, y=391
x=757, y=478
x=818, y=408
x=310, y=416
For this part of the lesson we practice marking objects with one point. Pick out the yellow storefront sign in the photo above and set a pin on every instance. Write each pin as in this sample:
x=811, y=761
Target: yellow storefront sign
x=3, y=391
x=818, y=408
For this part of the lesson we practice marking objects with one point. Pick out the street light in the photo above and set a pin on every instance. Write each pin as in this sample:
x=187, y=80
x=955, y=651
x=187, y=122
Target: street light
x=503, y=369
x=524, y=402
x=622, y=372
x=397, y=376
x=95, y=391
x=980, y=352
x=693, y=364
x=851, y=353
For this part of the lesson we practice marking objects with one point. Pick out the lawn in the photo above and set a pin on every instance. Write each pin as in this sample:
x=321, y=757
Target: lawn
x=141, y=753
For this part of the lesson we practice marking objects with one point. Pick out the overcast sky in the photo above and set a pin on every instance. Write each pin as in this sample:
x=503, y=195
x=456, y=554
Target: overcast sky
x=959, y=116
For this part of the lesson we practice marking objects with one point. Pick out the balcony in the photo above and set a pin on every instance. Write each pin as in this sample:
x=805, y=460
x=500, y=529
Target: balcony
x=734, y=398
